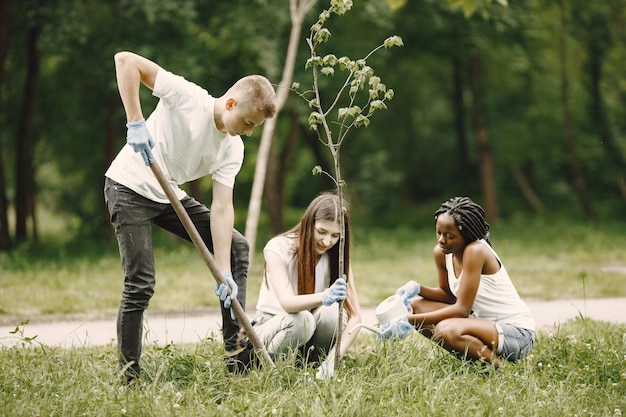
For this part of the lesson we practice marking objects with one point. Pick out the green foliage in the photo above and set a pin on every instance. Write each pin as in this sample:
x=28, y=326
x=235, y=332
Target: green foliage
x=359, y=77
x=409, y=157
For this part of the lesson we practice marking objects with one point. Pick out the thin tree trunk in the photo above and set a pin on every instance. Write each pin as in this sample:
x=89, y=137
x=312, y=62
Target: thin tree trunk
x=568, y=132
x=458, y=105
x=5, y=31
x=25, y=184
x=527, y=190
x=277, y=177
x=600, y=119
x=298, y=11
x=481, y=133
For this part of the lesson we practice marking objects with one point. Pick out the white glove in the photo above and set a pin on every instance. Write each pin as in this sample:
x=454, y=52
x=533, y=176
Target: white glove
x=325, y=371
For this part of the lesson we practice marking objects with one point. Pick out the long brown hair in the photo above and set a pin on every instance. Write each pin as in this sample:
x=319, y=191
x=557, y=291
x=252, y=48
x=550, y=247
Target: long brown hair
x=324, y=207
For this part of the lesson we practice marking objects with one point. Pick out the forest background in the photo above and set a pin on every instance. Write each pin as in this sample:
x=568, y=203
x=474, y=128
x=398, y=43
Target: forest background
x=520, y=106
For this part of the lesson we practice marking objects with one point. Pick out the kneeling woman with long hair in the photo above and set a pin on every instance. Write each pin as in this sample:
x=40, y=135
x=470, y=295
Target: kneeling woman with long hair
x=297, y=305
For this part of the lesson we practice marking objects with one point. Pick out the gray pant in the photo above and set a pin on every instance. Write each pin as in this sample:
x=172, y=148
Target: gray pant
x=133, y=217
x=282, y=333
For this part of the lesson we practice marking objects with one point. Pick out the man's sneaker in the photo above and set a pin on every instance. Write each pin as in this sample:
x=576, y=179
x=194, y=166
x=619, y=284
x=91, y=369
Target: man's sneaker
x=244, y=361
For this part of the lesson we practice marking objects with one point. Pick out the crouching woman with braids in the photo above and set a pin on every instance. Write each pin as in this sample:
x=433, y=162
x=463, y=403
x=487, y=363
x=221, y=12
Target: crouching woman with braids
x=297, y=304
x=476, y=312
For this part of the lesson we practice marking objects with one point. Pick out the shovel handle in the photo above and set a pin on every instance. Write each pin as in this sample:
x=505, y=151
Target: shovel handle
x=192, y=231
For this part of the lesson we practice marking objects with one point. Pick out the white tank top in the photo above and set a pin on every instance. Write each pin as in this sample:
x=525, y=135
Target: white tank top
x=285, y=247
x=497, y=299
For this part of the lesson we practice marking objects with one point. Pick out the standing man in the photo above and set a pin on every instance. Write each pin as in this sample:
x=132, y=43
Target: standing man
x=190, y=134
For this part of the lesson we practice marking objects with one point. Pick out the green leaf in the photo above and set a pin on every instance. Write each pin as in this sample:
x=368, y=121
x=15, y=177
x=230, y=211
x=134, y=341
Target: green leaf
x=340, y=7
x=378, y=105
x=313, y=61
x=314, y=119
x=393, y=41
x=321, y=36
x=348, y=111
x=330, y=60
x=374, y=81
x=324, y=16
x=362, y=120
x=345, y=62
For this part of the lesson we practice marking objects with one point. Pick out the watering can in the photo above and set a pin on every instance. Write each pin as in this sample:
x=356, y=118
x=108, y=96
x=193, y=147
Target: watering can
x=390, y=310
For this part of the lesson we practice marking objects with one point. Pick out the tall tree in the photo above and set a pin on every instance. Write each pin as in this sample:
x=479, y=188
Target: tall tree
x=458, y=104
x=298, y=10
x=6, y=14
x=568, y=130
x=24, y=170
x=593, y=23
x=481, y=134
x=277, y=174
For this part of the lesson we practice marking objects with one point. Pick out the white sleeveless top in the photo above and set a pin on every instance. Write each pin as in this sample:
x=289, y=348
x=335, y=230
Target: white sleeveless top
x=285, y=246
x=497, y=299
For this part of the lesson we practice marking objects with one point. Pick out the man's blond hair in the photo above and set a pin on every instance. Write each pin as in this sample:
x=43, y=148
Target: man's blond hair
x=256, y=92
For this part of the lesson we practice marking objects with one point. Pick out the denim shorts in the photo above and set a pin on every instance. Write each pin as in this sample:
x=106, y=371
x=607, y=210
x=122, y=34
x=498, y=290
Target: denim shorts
x=514, y=342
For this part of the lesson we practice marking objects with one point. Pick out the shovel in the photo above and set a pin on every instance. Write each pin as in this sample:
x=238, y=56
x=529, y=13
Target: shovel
x=208, y=258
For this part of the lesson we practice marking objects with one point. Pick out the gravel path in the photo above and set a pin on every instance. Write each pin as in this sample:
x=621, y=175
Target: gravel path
x=188, y=328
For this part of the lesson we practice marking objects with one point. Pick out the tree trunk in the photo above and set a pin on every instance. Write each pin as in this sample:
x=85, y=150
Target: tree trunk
x=568, y=132
x=298, y=12
x=458, y=105
x=600, y=119
x=481, y=134
x=25, y=184
x=5, y=31
x=527, y=189
x=277, y=176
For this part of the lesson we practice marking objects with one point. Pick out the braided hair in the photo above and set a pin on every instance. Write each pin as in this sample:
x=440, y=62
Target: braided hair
x=468, y=216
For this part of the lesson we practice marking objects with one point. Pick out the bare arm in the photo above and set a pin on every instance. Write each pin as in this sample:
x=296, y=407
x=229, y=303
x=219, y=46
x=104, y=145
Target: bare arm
x=222, y=223
x=131, y=70
x=445, y=305
x=441, y=294
x=277, y=273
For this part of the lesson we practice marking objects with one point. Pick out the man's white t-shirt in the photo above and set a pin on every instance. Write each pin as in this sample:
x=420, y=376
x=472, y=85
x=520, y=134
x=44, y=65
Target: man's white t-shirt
x=187, y=143
x=285, y=247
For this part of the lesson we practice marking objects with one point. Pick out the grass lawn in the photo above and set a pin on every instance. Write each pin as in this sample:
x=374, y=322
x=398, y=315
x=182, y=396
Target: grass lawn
x=577, y=369
x=546, y=260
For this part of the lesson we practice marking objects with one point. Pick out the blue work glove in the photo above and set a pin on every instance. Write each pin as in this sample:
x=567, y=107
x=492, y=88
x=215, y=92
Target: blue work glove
x=221, y=290
x=408, y=291
x=140, y=139
x=336, y=292
x=325, y=371
x=396, y=330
